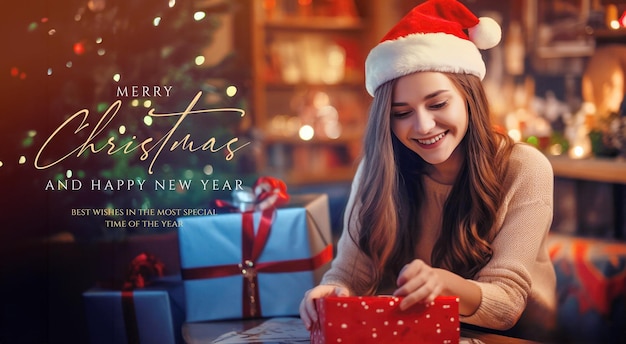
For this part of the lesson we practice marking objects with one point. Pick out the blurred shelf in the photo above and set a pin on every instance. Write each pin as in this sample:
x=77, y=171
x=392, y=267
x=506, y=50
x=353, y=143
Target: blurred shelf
x=609, y=36
x=606, y=170
x=294, y=140
x=310, y=50
x=621, y=32
x=316, y=24
x=330, y=175
x=348, y=83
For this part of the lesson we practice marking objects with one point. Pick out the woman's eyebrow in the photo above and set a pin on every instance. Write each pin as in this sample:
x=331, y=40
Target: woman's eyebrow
x=428, y=96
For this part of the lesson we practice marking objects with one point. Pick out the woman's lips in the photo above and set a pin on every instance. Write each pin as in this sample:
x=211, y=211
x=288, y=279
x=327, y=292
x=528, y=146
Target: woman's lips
x=432, y=140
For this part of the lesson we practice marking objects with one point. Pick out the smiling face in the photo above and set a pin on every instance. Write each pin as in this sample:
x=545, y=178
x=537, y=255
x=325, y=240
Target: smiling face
x=429, y=116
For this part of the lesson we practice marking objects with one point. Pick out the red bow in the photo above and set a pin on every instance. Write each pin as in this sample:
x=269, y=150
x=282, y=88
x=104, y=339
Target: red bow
x=270, y=192
x=142, y=270
x=266, y=193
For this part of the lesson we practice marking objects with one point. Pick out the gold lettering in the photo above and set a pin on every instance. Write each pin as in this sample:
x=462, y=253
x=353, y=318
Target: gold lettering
x=148, y=149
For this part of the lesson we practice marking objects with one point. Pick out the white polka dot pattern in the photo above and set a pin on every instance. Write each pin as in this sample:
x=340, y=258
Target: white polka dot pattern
x=378, y=319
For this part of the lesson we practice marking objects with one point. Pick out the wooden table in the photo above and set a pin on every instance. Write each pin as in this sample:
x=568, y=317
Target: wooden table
x=207, y=332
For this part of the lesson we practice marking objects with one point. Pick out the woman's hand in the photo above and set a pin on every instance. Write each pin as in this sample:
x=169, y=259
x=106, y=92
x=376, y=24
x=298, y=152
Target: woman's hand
x=308, y=313
x=418, y=282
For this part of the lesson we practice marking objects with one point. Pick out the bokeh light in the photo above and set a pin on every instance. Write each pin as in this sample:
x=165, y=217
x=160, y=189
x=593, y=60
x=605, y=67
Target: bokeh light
x=199, y=15
x=306, y=132
x=231, y=91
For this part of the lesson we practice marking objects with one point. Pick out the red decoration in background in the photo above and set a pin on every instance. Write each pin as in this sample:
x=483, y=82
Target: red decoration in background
x=142, y=270
x=622, y=19
x=15, y=72
x=79, y=48
x=597, y=291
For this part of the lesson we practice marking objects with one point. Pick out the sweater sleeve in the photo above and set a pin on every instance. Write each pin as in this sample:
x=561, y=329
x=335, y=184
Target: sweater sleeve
x=520, y=264
x=351, y=268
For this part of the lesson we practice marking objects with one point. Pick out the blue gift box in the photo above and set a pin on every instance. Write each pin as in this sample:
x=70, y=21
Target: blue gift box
x=154, y=314
x=274, y=283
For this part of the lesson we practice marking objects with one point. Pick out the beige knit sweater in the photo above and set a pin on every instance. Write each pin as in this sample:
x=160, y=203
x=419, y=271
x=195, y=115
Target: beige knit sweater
x=519, y=278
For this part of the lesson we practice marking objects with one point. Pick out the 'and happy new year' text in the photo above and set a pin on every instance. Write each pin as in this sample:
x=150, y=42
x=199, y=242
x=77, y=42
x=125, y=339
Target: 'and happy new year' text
x=140, y=184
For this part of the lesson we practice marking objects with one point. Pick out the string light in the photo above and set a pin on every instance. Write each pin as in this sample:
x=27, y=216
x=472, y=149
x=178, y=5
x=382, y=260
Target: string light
x=117, y=77
x=156, y=21
x=615, y=24
x=199, y=60
x=515, y=134
x=578, y=152
x=22, y=160
x=208, y=170
x=231, y=91
x=199, y=15
x=556, y=149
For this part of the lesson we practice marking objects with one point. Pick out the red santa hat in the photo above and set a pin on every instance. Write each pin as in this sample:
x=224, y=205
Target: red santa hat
x=432, y=37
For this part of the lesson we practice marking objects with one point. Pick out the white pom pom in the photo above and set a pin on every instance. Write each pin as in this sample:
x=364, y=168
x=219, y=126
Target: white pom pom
x=486, y=34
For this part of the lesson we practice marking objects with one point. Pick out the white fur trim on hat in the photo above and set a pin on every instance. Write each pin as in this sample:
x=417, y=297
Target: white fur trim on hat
x=486, y=34
x=438, y=52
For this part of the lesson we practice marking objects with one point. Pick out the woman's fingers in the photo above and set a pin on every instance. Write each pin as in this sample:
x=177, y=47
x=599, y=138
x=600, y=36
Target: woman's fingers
x=417, y=282
x=308, y=312
x=426, y=294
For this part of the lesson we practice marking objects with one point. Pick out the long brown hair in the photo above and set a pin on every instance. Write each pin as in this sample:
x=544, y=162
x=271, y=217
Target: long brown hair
x=390, y=193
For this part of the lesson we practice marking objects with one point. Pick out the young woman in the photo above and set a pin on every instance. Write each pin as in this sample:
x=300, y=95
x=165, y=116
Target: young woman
x=443, y=204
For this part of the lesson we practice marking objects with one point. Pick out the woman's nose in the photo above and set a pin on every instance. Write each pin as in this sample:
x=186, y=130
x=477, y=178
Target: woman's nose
x=423, y=122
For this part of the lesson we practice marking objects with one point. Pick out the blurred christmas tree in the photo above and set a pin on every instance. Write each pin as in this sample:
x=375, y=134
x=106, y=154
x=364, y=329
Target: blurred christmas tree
x=94, y=49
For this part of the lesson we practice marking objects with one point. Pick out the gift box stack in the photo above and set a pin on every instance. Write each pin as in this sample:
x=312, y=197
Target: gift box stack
x=254, y=259
x=378, y=319
x=257, y=260
x=147, y=308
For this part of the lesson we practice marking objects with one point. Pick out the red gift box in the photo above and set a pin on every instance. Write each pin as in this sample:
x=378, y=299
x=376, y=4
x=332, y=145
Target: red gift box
x=378, y=319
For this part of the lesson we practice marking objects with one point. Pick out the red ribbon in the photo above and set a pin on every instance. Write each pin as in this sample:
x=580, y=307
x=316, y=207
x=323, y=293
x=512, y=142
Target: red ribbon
x=269, y=192
x=142, y=269
x=130, y=317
